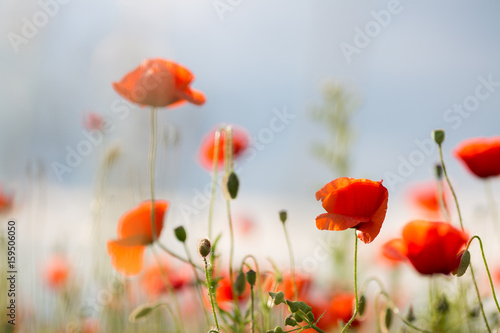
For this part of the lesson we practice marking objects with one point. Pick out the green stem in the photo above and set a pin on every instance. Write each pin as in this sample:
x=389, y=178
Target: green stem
x=198, y=283
x=259, y=285
x=152, y=157
x=451, y=187
x=487, y=269
x=210, y=293
x=390, y=303
x=462, y=226
x=214, y=182
x=164, y=248
x=169, y=309
x=168, y=286
x=292, y=263
x=356, y=307
x=251, y=305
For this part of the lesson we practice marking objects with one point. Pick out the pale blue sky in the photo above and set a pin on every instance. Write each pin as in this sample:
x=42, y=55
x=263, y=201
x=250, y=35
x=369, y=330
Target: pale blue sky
x=264, y=55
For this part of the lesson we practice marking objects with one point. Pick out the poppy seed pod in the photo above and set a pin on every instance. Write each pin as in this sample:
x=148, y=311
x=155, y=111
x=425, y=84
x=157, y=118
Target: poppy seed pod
x=283, y=215
x=438, y=136
x=180, y=234
x=204, y=247
x=251, y=277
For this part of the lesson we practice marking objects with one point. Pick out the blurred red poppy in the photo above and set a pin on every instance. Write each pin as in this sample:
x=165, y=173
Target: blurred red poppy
x=93, y=121
x=303, y=282
x=425, y=198
x=153, y=282
x=224, y=293
x=431, y=247
x=353, y=203
x=134, y=233
x=480, y=155
x=57, y=271
x=335, y=308
x=5, y=201
x=159, y=82
x=207, y=149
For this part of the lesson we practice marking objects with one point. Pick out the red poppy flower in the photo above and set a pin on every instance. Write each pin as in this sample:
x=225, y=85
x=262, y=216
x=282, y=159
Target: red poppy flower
x=353, y=203
x=57, y=271
x=134, y=233
x=207, y=150
x=425, y=198
x=302, y=281
x=152, y=280
x=431, y=247
x=481, y=156
x=159, y=82
x=335, y=308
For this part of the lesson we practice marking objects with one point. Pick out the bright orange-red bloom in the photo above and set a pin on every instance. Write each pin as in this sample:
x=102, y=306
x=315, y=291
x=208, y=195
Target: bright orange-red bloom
x=431, y=247
x=153, y=282
x=57, y=271
x=481, y=156
x=353, y=203
x=134, y=233
x=159, y=82
x=207, y=149
x=425, y=198
x=335, y=308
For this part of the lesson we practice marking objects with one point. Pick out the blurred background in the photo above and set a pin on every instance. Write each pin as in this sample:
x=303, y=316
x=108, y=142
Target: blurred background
x=409, y=66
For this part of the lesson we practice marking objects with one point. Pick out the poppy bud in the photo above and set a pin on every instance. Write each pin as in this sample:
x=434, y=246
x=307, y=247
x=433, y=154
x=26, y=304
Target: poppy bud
x=278, y=329
x=304, y=307
x=438, y=136
x=442, y=305
x=439, y=171
x=251, y=277
x=464, y=262
x=141, y=313
x=204, y=247
x=240, y=283
x=232, y=184
x=310, y=316
x=180, y=233
x=278, y=297
x=283, y=215
x=290, y=321
x=362, y=305
x=388, y=318
x=293, y=306
x=410, y=316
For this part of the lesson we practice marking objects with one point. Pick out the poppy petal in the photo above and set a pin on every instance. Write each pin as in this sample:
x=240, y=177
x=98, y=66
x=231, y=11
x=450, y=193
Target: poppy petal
x=192, y=95
x=138, y=220
x=368, y=231
x=336, y=222
x=126, y=259
x=332, y=186
x=395, y=249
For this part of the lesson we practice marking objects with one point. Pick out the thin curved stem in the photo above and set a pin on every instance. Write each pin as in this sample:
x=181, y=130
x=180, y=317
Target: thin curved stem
x=356, y=307
x=152, y=157
x=210, y=293
x=451, y=187
x=198, y=283
x=214, y=181
x=462, y=226
x=168, y=286
x=487, y=269
x=292, y=262
x=164, y=248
